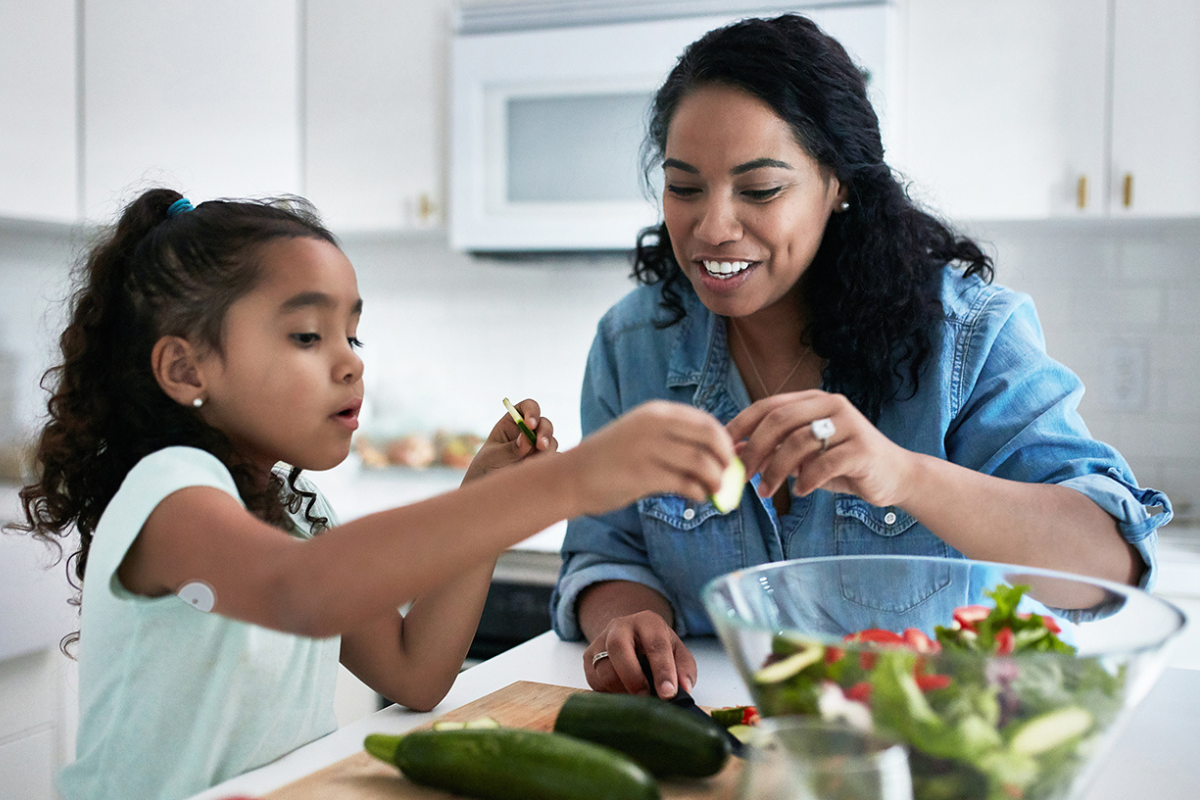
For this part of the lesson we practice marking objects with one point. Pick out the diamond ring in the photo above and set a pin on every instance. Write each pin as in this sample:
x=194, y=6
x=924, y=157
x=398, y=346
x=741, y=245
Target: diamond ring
x=823, y=431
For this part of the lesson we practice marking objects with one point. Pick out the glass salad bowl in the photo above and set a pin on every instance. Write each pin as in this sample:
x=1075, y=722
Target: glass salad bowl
x=1004, y=682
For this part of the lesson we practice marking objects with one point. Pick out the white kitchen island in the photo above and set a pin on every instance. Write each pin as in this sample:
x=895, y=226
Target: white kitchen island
x=1155, y=756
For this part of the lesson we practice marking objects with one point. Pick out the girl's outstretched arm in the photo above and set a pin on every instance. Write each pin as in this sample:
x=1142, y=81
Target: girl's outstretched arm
x=367, y=568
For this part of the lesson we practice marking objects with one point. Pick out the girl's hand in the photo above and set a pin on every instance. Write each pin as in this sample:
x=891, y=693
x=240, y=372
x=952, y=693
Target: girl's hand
x=657, y=448
x=623, y=638
x=779, y=442
x=506, y=444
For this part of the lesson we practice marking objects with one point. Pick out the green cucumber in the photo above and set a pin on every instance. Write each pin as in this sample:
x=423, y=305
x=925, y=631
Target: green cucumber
x=514, y=764
x=661, y=737
x=1047, y=731
x=733, y=482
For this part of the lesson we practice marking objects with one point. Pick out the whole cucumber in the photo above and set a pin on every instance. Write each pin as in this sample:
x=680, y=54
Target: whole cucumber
x=514, y=764
x=661, y=737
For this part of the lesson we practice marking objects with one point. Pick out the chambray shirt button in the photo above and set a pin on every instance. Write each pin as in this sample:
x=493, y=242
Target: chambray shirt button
x=890, y=518
x=689, y=513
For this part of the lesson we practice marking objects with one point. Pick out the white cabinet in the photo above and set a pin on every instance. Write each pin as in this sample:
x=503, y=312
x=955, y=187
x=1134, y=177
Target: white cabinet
x=204, y=97
x=1022, y=109
x=1156, y=109
x=38, y=100
x=1006, y=107
x=374, y=117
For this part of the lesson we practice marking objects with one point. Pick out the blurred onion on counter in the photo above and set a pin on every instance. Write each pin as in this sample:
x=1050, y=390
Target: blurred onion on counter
x=419, y=450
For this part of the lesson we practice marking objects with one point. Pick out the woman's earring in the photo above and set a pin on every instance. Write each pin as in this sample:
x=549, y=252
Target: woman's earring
x=199, y=401
x=845, y=205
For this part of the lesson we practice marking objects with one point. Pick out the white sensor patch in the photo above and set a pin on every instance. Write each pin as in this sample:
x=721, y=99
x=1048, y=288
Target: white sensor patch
x=199, y=595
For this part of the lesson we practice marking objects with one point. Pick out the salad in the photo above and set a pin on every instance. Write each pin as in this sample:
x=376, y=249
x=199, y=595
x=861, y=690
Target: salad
x=989, y=707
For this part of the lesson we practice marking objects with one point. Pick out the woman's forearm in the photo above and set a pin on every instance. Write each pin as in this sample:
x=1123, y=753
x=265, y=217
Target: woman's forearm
x=1033, y=524
x=603, y=602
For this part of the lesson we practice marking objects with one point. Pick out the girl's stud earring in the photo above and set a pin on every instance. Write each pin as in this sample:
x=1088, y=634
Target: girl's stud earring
x=199, y=401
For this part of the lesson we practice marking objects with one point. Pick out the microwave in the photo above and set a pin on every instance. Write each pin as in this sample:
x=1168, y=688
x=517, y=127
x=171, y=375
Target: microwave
x=549, y=109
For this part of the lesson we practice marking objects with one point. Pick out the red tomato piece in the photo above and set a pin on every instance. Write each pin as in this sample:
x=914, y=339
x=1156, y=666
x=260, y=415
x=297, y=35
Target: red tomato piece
x=917, y=640
x=879, y=636
x=970, y=616
x=927, y=683
x=1004, y=641
x=859, y=692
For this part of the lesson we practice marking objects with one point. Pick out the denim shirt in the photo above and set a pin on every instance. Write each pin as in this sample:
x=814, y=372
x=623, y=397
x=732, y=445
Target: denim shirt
x=989, y=399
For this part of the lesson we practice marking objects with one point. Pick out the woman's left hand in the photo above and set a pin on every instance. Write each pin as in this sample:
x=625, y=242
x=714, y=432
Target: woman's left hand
x=857, y=458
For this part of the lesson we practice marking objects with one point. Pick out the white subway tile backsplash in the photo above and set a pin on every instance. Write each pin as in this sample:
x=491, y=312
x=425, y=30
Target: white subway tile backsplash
x=1157, y=258
x=1123, y=309
x=27, y=694
x=27, y=767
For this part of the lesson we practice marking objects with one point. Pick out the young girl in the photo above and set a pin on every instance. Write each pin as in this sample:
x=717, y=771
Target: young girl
x=206, y=346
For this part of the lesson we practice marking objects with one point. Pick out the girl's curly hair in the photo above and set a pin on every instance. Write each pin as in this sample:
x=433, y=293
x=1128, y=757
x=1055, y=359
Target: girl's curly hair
x=871, y=291
x=153, y=275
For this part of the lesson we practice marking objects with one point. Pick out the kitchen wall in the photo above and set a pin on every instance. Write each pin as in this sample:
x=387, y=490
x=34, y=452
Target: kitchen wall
x=447, y=335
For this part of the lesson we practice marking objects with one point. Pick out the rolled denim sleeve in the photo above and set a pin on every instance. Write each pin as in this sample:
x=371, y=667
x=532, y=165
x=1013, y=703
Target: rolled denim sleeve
x=1019, y=420
x=595, y=549
x=612, y=546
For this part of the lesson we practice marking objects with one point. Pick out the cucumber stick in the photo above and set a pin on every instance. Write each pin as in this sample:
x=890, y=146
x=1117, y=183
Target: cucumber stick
x=514, y=764
x=661, y=737
x=517, y=418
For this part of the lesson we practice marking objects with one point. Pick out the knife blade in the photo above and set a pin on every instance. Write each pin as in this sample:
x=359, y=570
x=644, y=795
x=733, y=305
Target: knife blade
x=685, y=701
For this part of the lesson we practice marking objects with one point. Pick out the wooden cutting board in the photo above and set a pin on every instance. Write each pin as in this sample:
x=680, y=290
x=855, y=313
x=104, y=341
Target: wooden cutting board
x=523, y=704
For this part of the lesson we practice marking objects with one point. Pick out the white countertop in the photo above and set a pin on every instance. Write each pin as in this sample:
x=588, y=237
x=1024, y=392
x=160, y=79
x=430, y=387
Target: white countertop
x=1156, y=751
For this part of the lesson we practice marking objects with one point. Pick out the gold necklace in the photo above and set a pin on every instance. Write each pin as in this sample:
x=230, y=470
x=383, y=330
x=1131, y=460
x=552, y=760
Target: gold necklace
x=753, y=366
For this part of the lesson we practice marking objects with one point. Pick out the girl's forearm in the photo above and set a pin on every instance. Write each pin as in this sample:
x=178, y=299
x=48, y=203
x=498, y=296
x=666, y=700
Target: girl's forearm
x=1033, y=524
x=359, y=570
x=418, y=665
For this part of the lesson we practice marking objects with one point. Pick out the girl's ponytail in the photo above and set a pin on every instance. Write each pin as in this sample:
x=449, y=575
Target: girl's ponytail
x=158, y=272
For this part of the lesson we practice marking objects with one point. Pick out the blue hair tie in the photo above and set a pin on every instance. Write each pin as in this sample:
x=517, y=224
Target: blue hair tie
x=179, y=206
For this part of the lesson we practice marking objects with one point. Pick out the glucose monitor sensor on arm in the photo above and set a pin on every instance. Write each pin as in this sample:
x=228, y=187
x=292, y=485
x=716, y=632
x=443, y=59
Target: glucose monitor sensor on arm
x=199, y=595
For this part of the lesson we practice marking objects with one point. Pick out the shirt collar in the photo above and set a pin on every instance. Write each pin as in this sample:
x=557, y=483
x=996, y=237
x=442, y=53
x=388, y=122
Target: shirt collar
x=700, y=356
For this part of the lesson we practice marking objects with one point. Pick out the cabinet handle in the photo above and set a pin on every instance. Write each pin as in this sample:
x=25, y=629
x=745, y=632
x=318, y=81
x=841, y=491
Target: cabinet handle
x=1127, y=190
x=1081, y=192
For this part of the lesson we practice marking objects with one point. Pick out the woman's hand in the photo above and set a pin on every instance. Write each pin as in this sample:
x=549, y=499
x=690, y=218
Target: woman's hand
x=858, y=459
x=657, y=448
x=506, y=444
x=623, y=638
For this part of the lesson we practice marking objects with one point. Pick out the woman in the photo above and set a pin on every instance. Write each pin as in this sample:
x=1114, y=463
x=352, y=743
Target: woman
x=889, y=400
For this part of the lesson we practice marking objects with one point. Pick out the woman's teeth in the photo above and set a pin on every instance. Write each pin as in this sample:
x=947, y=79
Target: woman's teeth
x=725, y=269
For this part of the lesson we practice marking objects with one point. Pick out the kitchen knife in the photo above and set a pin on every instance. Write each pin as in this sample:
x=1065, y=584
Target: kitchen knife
x=685, y=701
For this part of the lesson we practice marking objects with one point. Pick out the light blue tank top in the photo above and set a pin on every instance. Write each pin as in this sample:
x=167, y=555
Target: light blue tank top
x=173, y=700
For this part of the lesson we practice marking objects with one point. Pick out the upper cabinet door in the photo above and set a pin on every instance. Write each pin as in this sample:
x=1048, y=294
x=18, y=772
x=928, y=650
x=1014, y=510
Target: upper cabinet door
x=38, y=100
x=1156, y=109
x=1006, y=107
x=203, y=97
x=374, y=111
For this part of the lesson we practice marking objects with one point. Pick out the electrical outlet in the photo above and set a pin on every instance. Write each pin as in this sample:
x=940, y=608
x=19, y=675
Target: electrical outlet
x=1124, y=386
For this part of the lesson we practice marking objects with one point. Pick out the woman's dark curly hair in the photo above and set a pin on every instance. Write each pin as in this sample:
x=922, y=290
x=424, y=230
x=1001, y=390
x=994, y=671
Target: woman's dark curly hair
x=871, y=291
x=153, y=275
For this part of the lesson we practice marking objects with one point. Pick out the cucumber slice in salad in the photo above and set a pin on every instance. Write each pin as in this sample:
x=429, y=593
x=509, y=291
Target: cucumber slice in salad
x=733, y=482
x=1049, y=730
